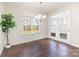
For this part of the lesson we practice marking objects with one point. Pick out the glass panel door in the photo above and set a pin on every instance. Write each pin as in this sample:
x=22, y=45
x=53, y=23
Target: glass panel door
x=60, y=27
x=53, y=27
x=63, y=27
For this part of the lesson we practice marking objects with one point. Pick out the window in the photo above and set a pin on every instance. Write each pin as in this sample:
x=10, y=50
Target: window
x=30, y=25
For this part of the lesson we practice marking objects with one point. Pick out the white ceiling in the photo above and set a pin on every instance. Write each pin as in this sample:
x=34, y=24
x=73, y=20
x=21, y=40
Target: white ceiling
x=44, y=7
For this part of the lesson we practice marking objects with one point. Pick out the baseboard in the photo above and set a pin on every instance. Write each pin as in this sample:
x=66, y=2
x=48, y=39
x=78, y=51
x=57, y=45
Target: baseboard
x=22, y=43
x=46, y=38
x=67, y=43
x=1, y=51
x=74, y=45
x=28, y=41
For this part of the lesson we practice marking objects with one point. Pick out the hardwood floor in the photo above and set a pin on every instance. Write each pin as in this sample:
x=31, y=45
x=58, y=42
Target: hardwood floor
x=42, y=48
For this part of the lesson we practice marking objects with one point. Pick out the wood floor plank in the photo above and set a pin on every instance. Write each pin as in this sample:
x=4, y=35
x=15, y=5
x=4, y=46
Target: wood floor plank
x=42, y=48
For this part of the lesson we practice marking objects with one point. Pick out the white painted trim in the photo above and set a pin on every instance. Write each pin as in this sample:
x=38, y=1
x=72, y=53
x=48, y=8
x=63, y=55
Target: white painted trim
x=74, y=45
x=1, y=51
x=27, y=41
x=64, y=41
x=21, y=43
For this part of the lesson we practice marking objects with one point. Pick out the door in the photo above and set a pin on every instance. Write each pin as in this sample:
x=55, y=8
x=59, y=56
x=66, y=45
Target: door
x=53, y=26
x=61, y=27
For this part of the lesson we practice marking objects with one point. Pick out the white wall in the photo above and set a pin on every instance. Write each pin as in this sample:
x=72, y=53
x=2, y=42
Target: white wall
x=16, y=35
x=75, y=24
x=18, y=11
x=1, y=35
x=72, y=21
